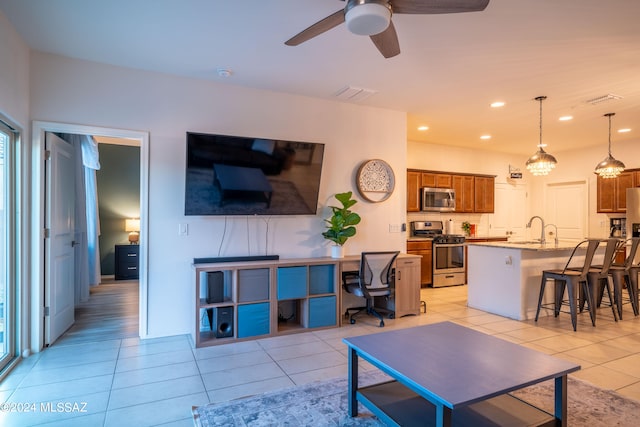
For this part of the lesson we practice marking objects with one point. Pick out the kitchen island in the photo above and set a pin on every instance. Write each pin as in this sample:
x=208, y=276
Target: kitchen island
x=504, y=277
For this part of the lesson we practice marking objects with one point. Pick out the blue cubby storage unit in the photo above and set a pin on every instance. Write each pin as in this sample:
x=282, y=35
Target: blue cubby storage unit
x=322, y=311
x=321, y=279
x=253, y=320
x=292, y=282
x=257, y=299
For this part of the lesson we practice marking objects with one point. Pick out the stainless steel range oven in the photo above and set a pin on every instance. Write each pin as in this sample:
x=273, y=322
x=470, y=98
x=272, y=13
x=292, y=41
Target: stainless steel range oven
x=448, y=260
x=448, y=263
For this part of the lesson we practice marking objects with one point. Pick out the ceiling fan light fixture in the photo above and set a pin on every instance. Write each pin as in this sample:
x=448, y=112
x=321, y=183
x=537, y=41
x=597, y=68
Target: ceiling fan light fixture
x=367, y=18
x=541, y=163
x=609, y=167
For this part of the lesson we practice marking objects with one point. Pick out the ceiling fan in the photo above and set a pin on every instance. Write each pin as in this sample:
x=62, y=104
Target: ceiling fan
x=373, y=18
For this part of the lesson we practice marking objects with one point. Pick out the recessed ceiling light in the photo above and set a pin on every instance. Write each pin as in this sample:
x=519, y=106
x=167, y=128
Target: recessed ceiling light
x=565, y=118
x=497, y=104
x=625, y=130
x=423, y=128
x=485, y=137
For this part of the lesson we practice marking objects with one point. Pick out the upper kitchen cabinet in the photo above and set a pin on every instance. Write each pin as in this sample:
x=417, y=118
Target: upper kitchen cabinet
x=413, y=191
x=465, y=196
x=436, y=180
x=484, y=194
x=612, y=192
x=474, y=193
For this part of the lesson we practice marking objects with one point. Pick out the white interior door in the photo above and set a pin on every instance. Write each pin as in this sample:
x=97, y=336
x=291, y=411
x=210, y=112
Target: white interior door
x=59, y=251
x=510, y=216
x=567, y=209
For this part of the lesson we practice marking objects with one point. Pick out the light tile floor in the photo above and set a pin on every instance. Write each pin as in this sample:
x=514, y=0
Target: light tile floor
x=132, y=382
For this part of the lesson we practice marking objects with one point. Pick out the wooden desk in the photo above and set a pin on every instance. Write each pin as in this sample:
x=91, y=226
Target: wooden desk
x=454, y=376
x=406, y=295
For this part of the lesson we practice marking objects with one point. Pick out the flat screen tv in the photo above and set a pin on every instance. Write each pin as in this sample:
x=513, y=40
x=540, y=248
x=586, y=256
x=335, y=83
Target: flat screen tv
x=233, y=175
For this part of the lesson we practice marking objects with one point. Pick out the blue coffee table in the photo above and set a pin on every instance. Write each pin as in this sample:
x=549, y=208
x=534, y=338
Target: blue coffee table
x=445, y=374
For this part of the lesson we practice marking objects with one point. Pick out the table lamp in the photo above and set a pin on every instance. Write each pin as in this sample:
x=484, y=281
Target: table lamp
x=133, y=227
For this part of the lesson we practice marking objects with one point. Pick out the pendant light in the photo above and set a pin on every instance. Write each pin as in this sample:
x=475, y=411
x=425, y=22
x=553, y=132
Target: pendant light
x=609, y=167
x=542, y=162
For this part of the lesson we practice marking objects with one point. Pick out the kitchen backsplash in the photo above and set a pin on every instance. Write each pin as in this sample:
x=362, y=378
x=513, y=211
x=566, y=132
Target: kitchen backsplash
x=482, y=221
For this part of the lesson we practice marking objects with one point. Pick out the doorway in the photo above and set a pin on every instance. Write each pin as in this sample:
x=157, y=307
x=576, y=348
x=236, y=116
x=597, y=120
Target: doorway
x=567, y=207
x=40, y=282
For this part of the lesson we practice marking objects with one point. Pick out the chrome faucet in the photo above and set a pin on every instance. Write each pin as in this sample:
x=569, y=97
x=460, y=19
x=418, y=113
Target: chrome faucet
x=556, y=233
x=542, y=239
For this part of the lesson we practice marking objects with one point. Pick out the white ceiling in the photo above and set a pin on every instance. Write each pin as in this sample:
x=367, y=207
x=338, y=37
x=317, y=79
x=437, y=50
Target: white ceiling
x=450, y=69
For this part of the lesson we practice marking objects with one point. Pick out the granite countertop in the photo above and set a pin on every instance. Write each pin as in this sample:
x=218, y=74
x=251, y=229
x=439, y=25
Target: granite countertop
x=467, y=238
x=531, y=245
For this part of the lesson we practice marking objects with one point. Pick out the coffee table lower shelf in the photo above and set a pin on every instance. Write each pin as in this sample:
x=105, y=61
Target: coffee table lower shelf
x=395, y=404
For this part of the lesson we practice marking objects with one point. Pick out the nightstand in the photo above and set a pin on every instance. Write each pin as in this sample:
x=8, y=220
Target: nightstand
x=126, y=263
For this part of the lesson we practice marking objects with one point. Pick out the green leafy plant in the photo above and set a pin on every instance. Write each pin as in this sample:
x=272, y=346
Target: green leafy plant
x=466, y=226
x=342, y=223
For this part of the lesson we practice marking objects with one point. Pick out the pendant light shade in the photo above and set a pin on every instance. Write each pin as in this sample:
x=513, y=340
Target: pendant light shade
x=609, y=167
x=541, y=163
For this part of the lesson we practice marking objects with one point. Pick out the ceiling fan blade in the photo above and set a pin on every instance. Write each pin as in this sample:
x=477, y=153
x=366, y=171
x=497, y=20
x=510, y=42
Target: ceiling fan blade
x=387, y=41
x=438, y=6
x=318, y=28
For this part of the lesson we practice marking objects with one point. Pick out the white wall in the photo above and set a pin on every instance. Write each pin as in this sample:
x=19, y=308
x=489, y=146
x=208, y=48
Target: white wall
x=14, y=108
x=445, y=158
x=14, y=75
x=74, y=91
x=579, y=165
x=573, y=166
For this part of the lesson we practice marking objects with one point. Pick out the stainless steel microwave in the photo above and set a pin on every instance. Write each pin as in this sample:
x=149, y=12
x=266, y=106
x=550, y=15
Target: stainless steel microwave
x=438, y=199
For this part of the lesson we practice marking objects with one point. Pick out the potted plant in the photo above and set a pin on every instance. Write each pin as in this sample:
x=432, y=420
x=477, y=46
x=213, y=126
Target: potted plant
x=342, y=223
x=466, y=226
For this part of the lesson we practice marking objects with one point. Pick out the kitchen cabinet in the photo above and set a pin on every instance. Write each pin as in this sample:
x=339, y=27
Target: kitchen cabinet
x=477, y=240
x=474, y=193
x=484, y=194
x=413, y=191
x=612, y=192
x=406, y=298
x=465, y=197
x=423, y=248
x=436, y=180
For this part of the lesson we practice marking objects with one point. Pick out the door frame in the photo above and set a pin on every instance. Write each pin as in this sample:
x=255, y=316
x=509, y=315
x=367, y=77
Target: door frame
x=39, y=128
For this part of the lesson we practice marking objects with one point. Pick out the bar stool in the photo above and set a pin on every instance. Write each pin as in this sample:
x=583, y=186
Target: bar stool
x=574, y=280
x=599, y=279
x=626, y=274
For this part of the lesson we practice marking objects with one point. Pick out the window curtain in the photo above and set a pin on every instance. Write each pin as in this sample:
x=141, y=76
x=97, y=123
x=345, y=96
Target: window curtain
x=87, y=254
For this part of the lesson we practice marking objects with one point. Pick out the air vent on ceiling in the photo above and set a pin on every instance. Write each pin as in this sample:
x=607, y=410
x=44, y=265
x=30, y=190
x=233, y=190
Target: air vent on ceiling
x=603, y=98
x=351, y=93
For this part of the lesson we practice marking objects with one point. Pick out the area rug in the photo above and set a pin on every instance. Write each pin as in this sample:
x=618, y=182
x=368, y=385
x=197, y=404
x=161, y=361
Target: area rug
x=325, y=404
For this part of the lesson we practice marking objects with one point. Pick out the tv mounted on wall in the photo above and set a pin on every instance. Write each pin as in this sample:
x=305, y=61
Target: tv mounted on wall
x=233, y=175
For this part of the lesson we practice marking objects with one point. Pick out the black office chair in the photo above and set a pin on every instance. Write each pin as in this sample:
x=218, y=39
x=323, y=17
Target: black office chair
x=374, y=279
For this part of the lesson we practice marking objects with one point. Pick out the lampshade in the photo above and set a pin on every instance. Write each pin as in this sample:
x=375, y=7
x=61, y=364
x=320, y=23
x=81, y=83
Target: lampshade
x=133, y=227
x=541, y=163
x=609, y=167
x=372, y=17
